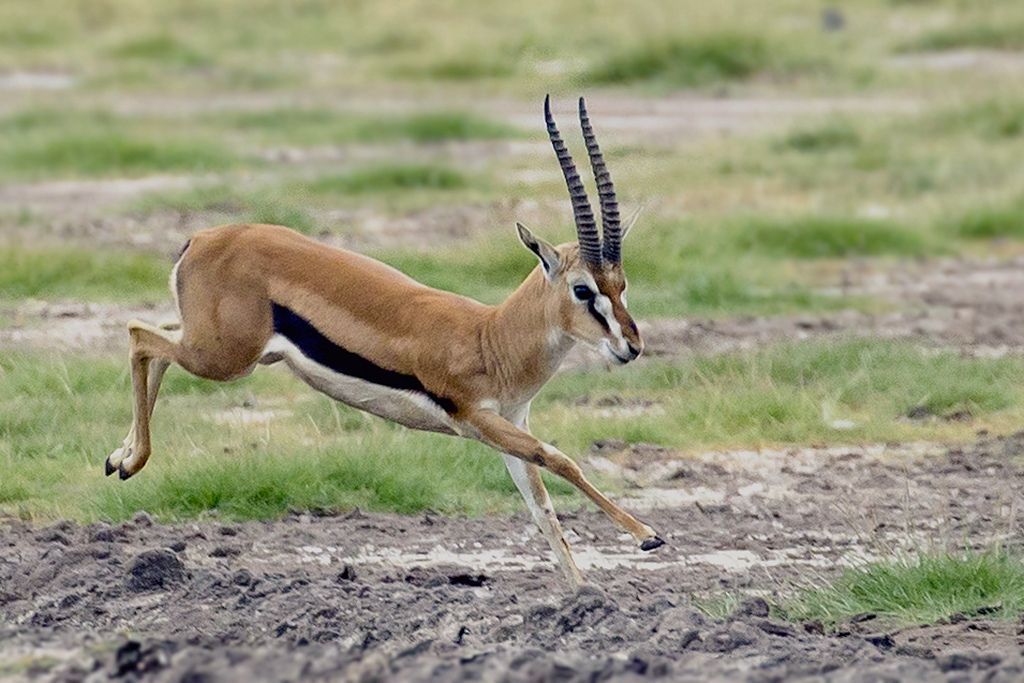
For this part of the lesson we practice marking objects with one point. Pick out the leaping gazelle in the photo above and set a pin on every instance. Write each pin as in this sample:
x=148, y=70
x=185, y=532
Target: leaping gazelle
x=373, y=338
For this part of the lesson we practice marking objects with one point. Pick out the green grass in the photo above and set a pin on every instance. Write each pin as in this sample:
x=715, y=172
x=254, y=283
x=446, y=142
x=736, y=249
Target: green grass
x=693, y=61
x=996, y=120
x=297, y=203
x=387, y=179
x=825, y=137
x=54, y=143
x=316, y=454
x=81, y=274
x=919, y=589
x=995, y=35
x=469, y=68
x=61, y=416
x=813, y=237
x=50, y=142
x=312, y=126
x=290, y=207
x=792, y=393
x=163, y=49
x=94, y=153
x=278, y=211
x=1004, y=220
x=217, y=197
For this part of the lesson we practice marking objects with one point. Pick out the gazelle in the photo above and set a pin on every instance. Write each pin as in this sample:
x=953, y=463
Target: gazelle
x=373, y=338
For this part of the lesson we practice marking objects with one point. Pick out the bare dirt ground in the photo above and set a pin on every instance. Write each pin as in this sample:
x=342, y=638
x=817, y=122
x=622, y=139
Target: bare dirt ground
x=368, y=596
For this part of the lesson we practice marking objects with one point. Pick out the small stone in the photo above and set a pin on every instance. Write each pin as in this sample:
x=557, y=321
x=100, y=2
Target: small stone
x=861, y=618
x=815, y=628
x=155, y=570
x=127, y=657
x=883, y=641
x=754, y=607
x=54, y=537
x=470, y=580
x=243, y=577
x=774, y=628
x=142, y=519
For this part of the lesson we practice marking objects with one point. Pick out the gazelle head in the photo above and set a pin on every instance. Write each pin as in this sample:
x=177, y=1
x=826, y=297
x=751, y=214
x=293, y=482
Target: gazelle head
x=584, y=280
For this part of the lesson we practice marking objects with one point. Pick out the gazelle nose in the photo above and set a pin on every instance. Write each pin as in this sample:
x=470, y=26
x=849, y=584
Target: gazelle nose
x=634, y=351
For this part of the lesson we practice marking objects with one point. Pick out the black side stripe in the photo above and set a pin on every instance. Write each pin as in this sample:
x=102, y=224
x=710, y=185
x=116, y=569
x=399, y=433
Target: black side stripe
x=322, y=350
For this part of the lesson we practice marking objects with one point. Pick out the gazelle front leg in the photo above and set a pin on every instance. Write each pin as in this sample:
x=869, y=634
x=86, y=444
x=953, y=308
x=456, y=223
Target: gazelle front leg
x=502, y=435
x=527, y=479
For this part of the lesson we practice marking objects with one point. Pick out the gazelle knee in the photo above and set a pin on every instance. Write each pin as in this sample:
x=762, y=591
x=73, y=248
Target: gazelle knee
x=559, y=463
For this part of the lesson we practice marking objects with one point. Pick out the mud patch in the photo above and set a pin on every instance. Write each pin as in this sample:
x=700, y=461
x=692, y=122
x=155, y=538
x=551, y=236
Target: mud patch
x=364, y=596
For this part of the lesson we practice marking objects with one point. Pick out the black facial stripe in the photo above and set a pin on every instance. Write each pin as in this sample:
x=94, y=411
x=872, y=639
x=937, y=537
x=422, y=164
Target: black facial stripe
x=597, y=314
x=318, y=348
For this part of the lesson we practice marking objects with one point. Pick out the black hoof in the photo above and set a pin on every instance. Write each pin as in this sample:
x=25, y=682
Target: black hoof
x=108, y=468
x=651, y=543
x=125, y=474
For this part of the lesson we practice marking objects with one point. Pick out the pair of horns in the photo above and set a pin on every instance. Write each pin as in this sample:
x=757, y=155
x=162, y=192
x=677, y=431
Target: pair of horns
x=593, y=251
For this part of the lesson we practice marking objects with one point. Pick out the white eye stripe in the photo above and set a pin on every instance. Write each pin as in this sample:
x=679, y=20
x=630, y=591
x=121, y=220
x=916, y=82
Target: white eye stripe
x=603, y=305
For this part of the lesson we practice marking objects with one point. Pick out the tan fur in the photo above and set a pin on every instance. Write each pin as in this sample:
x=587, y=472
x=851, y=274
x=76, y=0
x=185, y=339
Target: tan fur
x=489, y=361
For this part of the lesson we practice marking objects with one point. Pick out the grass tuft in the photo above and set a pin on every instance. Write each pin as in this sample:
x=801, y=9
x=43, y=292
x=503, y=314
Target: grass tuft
x=822, y=138
x=812, y=237
x=921, y=589
x=66, y=272
x=692, y=61
x=990, y=222
x=325, y=126
x=1007, y=35
x=464, y=69
x=277, y=211
x=997, y=120
x=388, y=178
x=51, y=143
x=161, y=48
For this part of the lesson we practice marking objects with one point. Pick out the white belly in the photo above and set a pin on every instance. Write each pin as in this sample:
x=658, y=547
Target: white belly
x=408, y=408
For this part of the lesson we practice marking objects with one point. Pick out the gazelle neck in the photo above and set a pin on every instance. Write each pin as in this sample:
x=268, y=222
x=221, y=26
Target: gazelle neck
x=523, y=342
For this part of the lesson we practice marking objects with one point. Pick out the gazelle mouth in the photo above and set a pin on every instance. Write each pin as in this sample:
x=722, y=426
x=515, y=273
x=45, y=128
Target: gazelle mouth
x=622, y=360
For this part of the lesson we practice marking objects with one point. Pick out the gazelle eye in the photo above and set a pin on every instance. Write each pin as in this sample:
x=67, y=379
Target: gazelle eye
x=582, y=292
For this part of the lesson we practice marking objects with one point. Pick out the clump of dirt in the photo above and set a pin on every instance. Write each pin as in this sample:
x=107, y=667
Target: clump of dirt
x=155, y=570
x=370, y=596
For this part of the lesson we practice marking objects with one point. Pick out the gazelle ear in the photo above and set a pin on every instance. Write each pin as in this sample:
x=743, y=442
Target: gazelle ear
x=546, y=254
x=631, y=221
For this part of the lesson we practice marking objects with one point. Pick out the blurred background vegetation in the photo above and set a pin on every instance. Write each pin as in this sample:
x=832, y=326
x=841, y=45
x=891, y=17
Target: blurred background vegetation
x=780, y=149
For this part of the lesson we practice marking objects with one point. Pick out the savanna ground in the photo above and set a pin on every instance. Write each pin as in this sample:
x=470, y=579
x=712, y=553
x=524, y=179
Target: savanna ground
x=827, y=273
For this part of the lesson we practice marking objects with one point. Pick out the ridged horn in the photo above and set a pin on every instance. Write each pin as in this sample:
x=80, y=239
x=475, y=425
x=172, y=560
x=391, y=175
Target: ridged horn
x=610, y=221
x=586, y=227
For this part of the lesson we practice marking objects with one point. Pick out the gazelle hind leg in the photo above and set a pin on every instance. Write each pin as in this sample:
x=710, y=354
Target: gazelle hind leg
x=531, y=486
x=152, y=351
x=157, y=368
